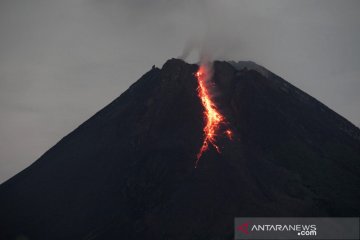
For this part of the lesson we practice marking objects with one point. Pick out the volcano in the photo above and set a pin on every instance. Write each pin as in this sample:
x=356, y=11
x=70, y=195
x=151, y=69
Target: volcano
x=128, y=172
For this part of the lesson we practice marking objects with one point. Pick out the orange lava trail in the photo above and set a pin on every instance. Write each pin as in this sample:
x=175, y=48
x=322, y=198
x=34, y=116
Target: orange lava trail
x=212, y=116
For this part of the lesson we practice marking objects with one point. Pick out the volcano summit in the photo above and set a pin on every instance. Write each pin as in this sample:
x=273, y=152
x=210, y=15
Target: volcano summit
x=128, y=172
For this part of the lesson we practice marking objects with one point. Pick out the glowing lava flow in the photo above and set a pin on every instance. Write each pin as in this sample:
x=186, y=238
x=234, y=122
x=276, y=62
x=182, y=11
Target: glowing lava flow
x=212, y=116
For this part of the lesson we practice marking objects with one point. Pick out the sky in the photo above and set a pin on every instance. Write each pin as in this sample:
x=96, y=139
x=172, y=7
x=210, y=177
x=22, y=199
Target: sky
x=62, y=61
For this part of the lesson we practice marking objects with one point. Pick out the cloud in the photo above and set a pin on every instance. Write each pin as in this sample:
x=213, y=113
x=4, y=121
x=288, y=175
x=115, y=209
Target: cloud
x=61, y=61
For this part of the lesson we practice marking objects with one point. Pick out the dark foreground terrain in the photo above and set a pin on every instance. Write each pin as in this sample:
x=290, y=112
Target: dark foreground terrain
x=128, y=172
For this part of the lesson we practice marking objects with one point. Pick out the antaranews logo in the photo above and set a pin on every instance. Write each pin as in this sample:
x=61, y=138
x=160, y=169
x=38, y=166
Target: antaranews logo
x=296, y=228
x=244, y=228
x=299, y=229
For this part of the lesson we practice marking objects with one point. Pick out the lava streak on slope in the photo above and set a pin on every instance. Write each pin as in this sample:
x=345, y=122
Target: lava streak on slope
x=213, y=118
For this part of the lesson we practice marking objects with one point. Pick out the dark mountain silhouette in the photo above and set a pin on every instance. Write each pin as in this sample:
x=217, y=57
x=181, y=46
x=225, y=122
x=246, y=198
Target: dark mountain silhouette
x=128, y=172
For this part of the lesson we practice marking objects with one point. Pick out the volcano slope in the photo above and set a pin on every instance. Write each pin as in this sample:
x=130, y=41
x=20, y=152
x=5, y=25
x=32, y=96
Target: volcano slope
x=128, y=172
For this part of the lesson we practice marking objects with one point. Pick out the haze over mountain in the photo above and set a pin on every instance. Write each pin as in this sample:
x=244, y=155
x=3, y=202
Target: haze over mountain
x=62, y=61
x=128, y=172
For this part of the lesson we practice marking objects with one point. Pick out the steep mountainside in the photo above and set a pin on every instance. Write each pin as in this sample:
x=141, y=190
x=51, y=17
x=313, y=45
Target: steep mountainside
x=128, y=172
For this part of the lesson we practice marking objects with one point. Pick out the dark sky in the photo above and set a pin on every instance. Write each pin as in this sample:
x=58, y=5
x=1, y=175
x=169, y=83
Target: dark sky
x=62, y=61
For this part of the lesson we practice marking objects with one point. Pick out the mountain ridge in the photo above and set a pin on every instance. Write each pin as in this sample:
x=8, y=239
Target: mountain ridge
x=129, y=171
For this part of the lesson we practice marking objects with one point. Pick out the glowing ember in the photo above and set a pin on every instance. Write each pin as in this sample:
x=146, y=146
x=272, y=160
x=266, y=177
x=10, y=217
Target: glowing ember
x=229, y=134
x=212, y=116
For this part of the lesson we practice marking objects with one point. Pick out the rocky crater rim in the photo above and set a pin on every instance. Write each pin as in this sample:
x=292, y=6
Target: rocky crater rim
x=236, y=65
